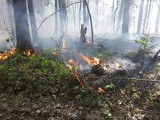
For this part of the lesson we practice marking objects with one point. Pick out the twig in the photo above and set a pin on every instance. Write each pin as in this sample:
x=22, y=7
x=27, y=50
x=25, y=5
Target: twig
x=138, y=79
x=56, y=12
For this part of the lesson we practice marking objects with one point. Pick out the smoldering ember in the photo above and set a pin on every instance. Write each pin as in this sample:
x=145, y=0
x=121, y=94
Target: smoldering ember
x=79, y=59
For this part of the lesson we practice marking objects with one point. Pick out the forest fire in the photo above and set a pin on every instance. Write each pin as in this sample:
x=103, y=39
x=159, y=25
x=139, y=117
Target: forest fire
x=100, y=90
x=70, y=65
x=73, y=62
x=6, y=54
x=94, y=61
x=28, y=52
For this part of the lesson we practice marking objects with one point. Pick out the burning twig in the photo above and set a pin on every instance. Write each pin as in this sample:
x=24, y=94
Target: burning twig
x=70, y=65
x=94, y=61
x=100, y=90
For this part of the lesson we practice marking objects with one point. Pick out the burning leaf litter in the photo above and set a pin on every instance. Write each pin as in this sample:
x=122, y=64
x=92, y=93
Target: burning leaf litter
x=6, y=54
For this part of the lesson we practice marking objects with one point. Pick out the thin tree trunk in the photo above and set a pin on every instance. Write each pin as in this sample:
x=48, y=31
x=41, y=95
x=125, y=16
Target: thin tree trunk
x=139, y=25
x=114, y=16
x=145, y=18
x=119, y=24
x=125, y=24
x=148, y=15
x=56, y=17
x=63, y=15
x=157, y=19
x=84, y=14
x=11, y=20
x=32, y=20
x=90, y=21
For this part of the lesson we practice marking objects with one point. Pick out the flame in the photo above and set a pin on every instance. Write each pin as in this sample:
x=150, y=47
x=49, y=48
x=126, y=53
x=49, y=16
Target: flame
x=64, y=47
x=73, y=71
x=70, y=67
x=12, y=51
x=94, y=61
x=28, y=53
x=100, y=90
x=6, y=54
x=73, y=62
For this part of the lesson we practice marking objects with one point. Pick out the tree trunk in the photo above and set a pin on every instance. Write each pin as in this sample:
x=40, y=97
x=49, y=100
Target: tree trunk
x=56, y=18
x=90, y=20
x=145, y=17
x=125, y=24
x=119, y=24
x=22, y=26
x=84, y=13
x=157, y=19
x=11, y=20
x=139, y=25
x=148, y=15
x=32, y=20
x=63, y=15
x=114, y=16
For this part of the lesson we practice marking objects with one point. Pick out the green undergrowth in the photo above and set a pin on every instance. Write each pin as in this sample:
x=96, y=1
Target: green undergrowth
x=42, y=76
x=30, y=74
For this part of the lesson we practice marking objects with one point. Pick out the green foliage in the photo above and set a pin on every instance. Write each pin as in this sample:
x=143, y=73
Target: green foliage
x=147, y=95
x=106, y=55
x=86, y=98
x=145, y=43
x=106, y=111
x=110, y=86
x=30, y=74
x=145, y=49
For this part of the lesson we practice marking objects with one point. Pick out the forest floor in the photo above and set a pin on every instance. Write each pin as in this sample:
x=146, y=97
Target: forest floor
x=38, y=87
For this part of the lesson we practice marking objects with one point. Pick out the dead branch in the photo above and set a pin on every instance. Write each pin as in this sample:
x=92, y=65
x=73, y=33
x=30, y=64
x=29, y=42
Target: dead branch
x=56, y=12
x=137, y=79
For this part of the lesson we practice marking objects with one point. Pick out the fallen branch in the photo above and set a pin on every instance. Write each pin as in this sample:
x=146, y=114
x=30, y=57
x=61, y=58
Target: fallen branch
x=137, y=79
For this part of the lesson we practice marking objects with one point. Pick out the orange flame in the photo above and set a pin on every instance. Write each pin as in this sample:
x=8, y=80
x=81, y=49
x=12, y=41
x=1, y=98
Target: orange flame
x=12, y=51
x=6, y=54
x=73, y=71
x=70, y=67
x=94, y=61
x=73, y=62
x=64, y=47
x=100, y=90
x=28, y=52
